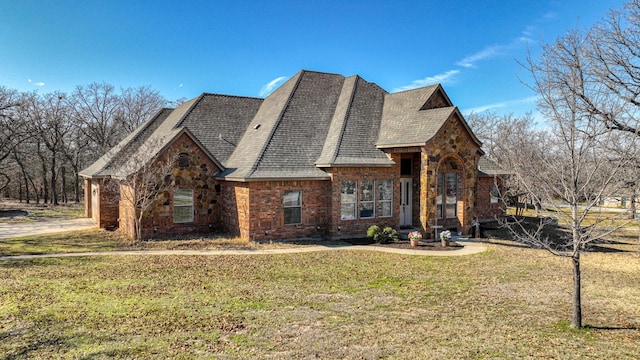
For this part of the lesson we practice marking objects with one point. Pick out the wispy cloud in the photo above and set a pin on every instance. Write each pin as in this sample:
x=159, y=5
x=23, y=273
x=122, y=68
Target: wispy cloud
x=502, y=104
x=429, y=80
x=486, y=53
x=268, y=88
x=39, y=83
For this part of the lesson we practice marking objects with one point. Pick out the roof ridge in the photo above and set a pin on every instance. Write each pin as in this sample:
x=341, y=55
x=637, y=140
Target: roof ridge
x=347, y=115
x=189, y=111
x=414, y=89
x=255, y=165
x=231, y=95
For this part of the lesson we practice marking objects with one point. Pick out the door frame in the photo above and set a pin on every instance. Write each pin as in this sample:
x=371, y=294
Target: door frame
x=406, y=202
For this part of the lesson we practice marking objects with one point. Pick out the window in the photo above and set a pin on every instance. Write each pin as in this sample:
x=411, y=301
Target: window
x=183, y=206
x=451, y=196
x=367, y=199
x=495, y=193
x=385, y=196
x=439, y=195
x=183, y=160
x=292, y=207
x=348, y=198
x=447, y=196
x=405, y=166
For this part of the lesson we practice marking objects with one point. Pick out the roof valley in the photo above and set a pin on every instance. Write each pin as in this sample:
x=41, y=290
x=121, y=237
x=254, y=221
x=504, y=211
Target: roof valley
x=262, y=152
x=338, y=123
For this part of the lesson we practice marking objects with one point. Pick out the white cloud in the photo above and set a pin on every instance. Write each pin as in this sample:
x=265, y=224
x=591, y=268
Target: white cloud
x=488, y=52
x=180, y=85
x=40, y=83
x=429, y=80
x=268, y=88
x=501, y=105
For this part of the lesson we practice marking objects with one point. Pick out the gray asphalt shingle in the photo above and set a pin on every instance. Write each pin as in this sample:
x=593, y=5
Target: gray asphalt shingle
x=313, y=120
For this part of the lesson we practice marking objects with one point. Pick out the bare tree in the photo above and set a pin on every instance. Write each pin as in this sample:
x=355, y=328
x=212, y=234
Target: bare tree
x=137, y=106
x=12, y=129
x=95, y=108
x=572, y=171
x=140, y=180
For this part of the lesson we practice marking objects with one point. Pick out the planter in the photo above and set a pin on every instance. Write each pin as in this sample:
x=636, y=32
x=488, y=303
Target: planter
x=445, y=242
x=414, y=242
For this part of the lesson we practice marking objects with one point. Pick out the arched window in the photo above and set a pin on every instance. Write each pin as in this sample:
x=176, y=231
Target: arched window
x=183, y=160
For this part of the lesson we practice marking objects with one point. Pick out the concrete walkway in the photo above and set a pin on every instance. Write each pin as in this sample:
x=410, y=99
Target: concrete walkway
x=470, y=247
x=53, y=226
x=9, y=230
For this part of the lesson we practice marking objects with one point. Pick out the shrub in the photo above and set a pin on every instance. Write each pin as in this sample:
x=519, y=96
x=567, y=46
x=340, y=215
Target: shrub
x=383, y=236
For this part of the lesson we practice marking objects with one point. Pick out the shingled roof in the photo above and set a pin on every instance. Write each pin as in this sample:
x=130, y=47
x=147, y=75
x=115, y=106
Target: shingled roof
x=413, y=117
x=104, y=166
x=488, y=167
x=313, y=121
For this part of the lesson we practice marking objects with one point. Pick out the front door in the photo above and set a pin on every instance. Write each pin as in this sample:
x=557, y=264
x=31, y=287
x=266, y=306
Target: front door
x=405, y=201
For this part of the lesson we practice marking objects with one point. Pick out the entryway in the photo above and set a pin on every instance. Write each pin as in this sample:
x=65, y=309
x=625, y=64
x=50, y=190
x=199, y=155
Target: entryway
x=406, y=201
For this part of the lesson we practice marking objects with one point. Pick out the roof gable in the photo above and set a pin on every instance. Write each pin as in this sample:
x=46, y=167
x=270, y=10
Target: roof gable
x=414, y=117
x=104, y=165
x=437, y=99
x=220, y=121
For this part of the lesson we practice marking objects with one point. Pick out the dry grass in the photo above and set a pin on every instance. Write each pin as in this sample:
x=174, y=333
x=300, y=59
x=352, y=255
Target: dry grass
x=509, y=302
x=39, y=212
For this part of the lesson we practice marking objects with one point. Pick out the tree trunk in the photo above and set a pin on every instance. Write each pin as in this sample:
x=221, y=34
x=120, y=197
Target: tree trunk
x=63, y=189
x=45, y=184
x=54, y=181
x=576, y=321
x=76, y=186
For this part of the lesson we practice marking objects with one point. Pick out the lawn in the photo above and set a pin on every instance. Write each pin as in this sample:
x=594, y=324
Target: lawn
x=24, y=213
x=508, y=302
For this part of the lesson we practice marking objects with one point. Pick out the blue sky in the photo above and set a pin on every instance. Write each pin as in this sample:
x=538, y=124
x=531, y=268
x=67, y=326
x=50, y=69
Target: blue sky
x=184, y=48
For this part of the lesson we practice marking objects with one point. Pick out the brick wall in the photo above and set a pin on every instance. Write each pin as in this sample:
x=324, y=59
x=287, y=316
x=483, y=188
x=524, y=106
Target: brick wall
x=103, y=202
x=485, y=210
x=358, y=227
x=266, y=201
x=235, y=209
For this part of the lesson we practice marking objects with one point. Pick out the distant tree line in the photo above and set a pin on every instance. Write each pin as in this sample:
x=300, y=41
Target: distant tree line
x=47, y=139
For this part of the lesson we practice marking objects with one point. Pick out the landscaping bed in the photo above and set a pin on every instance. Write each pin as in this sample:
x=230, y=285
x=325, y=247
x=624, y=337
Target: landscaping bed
x=404, y=244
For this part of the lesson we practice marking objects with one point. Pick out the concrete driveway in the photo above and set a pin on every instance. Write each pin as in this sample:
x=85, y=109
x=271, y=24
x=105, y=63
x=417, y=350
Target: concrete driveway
x=44, y=227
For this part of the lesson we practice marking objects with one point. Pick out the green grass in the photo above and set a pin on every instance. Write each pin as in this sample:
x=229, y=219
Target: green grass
x=508, y=302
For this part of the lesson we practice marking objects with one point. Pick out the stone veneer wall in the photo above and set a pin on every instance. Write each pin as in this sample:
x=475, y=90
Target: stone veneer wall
x=452, y=142
x=199, y=177
x=485, y=210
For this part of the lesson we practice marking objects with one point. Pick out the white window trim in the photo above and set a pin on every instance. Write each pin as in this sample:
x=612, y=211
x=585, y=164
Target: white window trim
x=390, y=201
x=372, y=201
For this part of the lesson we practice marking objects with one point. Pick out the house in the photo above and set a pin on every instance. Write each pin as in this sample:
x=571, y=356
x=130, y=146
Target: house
x=491, y=188
x=323, y=155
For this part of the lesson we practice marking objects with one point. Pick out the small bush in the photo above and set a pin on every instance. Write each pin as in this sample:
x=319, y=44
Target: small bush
x=383, y=236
